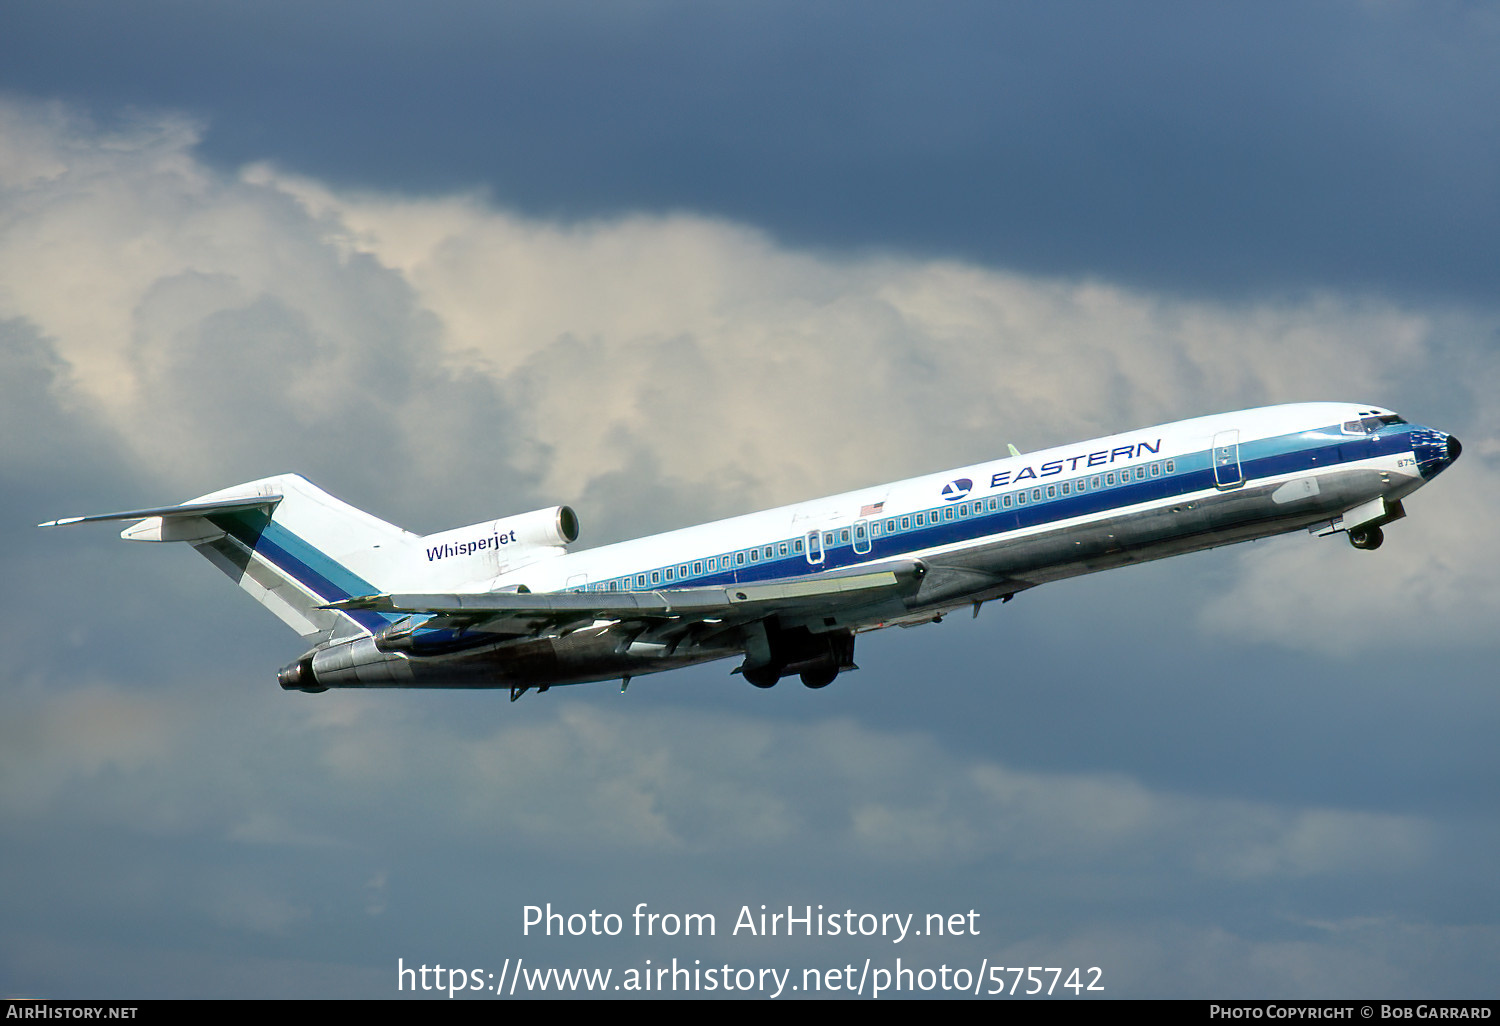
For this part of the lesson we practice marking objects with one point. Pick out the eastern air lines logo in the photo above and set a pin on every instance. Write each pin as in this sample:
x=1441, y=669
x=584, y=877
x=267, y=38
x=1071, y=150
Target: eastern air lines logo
x=955, y=490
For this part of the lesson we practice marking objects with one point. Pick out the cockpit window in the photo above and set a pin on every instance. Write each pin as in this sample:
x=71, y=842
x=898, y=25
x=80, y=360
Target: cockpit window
x=1370, y=422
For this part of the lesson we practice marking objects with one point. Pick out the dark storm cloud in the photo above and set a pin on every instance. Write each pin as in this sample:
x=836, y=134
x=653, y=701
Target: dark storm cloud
x=1187, y=146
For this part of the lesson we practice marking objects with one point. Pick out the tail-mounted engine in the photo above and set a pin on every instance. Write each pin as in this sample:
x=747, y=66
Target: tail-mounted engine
x=486, y=550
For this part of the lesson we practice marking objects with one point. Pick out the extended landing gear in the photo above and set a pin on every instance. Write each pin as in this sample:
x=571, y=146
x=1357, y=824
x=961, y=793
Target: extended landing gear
x=816, y=658
x=761, y=676
x=820, y=678
x=1366, y=537
x=766, y=676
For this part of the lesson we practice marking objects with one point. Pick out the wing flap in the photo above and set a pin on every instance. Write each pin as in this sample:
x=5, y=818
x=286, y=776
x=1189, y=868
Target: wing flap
x=504, y=612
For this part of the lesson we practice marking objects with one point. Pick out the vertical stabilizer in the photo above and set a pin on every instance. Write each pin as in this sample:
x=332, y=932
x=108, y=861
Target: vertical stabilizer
x=289, y=544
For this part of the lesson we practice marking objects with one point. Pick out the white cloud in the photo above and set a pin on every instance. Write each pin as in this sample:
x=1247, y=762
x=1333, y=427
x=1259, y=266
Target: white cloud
x=254, y=323
x=437, y=360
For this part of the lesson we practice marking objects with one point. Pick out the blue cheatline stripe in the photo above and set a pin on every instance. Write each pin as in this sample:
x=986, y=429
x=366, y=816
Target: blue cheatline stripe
x=319, y=573
x=1320, y=448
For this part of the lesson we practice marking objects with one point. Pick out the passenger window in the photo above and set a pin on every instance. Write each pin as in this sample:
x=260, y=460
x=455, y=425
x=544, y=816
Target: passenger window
x=1094, y=481
x=739, y=559
x=697, y=568
x=948, y=513
x=1109, y=478
x=797, y=546
x=754, y=555
x=640, y=580
x=656, y=577
x=906, y=523
x=1052, y=491
x=669, y=573
x=783, y=548
x=1021, y=498
x=1005, y=500
x=1065, y=488
x=1171, y=469
x=1156, y=470
x=1036, y=495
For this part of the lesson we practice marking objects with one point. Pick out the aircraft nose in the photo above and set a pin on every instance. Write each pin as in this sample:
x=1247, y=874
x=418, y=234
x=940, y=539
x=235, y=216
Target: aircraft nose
x=1435, y=450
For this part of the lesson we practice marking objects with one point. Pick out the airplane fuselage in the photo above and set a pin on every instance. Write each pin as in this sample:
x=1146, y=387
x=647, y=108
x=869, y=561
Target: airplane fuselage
x=505, y=604
x=979, y=533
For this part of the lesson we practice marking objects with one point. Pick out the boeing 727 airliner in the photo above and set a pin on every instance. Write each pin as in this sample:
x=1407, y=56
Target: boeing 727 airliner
x=504, y=604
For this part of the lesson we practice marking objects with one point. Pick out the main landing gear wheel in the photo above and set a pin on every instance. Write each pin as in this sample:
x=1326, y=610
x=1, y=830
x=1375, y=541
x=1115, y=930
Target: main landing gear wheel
x=1366, y=537
x=819, y=678
x=761, y=677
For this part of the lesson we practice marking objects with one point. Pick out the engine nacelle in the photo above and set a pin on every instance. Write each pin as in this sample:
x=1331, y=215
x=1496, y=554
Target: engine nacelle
x=481, y=552
x=348, y=664
x=555, y=526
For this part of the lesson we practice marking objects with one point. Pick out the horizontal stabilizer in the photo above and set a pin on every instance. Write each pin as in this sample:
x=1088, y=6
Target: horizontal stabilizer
x=187, y=509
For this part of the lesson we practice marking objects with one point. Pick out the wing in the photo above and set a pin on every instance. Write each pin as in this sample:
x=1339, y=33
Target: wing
x=670, y=612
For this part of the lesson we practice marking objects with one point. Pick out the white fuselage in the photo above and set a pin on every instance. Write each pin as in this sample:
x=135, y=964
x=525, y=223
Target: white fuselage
x=505, y=604
x=975, y=533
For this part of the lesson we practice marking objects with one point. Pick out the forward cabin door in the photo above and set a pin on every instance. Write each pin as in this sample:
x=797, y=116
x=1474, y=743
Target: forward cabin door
x=1226, y=455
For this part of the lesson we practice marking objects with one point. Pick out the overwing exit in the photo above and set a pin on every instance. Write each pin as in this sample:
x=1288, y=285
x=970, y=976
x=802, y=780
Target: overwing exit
x=506, y=604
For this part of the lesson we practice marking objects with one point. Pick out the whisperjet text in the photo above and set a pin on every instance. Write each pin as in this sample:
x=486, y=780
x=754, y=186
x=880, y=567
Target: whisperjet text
x=1090, y=459
x=494, y=541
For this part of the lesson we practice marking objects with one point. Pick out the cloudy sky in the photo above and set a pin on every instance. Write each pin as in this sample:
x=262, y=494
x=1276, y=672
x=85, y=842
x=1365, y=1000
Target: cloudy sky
x=666, y=262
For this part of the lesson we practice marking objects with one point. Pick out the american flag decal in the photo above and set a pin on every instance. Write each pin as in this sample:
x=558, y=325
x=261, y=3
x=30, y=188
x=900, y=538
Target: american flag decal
x=871, y=509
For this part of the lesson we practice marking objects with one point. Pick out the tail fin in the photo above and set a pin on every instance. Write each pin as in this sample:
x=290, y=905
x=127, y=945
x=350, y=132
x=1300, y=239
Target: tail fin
x=288, y=543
